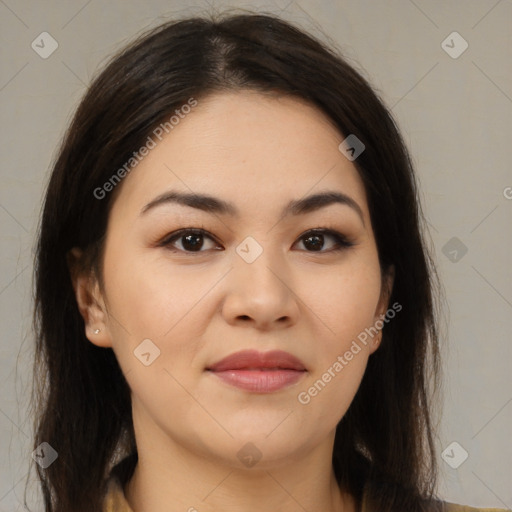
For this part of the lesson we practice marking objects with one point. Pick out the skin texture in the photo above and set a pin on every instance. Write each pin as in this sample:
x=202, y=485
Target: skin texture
x=258, y=152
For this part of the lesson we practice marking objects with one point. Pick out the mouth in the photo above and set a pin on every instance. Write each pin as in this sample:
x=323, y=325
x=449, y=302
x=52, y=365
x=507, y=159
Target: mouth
x=259, y=372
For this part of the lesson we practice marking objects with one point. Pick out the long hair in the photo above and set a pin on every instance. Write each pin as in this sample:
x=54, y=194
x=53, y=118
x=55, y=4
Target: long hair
x=385, y=442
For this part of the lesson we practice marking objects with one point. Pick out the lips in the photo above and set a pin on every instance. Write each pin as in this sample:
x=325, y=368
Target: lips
x=254, y=360
x=259, y=372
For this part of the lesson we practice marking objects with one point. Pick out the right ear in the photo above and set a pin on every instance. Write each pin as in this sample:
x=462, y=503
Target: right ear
x=90, y=300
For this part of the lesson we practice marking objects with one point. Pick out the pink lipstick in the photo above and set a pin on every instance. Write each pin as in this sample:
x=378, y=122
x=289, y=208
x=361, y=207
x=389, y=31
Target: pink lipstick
x=259, y=372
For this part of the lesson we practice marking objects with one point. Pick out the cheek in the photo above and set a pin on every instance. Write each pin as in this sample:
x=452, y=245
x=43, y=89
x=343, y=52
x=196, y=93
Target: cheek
x=346, y=301
x=151, y=297
x=345, y=304
x=324, y=401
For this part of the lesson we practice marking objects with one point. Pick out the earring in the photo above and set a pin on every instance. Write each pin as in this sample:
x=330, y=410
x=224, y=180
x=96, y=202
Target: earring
x=97, y=331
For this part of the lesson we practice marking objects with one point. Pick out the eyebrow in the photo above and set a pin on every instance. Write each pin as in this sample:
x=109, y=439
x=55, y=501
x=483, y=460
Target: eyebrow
x=214, y=205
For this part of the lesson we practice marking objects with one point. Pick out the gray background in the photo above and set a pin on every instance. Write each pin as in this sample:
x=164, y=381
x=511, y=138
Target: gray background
x=456, y=117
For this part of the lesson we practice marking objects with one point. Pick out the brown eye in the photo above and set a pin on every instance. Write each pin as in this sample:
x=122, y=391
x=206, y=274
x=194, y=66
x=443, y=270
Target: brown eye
x=192, y=240
x=314, y=240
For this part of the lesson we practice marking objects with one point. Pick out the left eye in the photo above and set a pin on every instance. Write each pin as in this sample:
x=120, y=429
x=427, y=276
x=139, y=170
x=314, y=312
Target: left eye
x=192, y=240
x=316, y=237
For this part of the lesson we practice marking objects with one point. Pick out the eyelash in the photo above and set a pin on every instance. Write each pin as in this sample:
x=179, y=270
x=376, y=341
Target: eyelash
x=342, y=242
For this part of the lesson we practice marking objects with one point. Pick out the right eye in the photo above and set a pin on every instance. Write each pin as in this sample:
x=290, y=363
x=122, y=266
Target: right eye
x=192, y=240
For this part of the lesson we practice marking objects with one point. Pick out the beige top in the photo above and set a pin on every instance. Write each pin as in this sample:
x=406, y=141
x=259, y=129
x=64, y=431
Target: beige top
x=116, y=502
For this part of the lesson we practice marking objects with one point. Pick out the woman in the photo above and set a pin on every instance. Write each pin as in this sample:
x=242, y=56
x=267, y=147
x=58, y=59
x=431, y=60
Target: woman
x=235, y=306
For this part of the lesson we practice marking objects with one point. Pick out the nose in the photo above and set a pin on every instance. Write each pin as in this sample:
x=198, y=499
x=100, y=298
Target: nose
x=261, y=294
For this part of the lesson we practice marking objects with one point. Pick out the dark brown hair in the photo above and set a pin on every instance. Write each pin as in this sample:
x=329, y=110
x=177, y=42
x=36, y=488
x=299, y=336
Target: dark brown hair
x=385, y=442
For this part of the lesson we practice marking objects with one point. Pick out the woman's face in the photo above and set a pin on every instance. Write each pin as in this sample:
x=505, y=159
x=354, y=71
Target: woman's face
x=257, y=279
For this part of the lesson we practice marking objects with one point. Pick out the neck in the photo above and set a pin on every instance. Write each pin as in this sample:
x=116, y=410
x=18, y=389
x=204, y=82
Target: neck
x=178, y=479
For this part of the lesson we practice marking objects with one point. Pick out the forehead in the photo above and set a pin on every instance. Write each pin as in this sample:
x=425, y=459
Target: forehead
x=251, y=149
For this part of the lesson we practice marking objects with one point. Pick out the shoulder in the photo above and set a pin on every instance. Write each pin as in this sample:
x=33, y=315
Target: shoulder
x=115, y=500
x=453, y=507
x=437, y=505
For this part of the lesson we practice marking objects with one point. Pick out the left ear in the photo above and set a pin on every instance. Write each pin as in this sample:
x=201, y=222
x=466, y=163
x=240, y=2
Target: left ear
x=388, y=279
